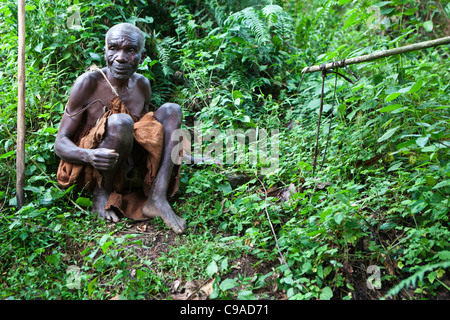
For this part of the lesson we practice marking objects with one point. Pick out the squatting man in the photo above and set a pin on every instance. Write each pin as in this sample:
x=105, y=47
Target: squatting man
x=111, y=143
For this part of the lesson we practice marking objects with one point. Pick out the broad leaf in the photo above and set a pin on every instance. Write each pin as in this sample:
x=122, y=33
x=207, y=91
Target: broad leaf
x=387, y=134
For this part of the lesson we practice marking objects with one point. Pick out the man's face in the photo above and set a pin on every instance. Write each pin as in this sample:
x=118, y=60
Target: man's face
x=122, y=54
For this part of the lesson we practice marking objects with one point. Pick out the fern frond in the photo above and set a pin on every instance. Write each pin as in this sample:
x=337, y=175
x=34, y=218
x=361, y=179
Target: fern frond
x=251, y=19
x=263, y=24
x=418, y=276
x=218, y=12
x=238, y=79
x=164, y=48
x=271, y=12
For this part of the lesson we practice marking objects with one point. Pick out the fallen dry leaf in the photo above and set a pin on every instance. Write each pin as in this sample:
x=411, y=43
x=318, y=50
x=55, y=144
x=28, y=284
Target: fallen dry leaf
x=142, y=228
x=191, y=290
x=207, y=288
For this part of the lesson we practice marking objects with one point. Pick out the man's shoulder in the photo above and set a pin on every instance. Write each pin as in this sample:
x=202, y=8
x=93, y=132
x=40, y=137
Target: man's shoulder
x=88, y=80
x=82, y=90
x=143, y=84
x=141, y=80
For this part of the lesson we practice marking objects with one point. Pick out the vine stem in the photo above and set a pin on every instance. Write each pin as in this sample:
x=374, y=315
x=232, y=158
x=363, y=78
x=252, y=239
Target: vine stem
x=283, y=260
x=271, y=226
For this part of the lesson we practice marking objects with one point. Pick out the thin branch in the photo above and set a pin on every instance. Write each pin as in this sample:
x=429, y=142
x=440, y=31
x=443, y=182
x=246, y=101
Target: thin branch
x=20, y=157
x=379, y=55
x=6, y=193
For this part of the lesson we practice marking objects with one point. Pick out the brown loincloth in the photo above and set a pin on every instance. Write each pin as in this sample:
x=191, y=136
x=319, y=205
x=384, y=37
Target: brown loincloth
x=149, y=136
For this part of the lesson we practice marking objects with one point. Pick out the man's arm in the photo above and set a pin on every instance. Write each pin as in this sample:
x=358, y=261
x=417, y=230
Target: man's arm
x=65, y=148
x=145, y=88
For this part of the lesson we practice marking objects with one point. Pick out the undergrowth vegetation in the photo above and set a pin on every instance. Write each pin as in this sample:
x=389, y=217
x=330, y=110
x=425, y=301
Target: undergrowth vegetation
x=369, y=221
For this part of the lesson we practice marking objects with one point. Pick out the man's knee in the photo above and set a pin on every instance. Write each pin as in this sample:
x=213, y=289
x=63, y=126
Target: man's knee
x=120, y=121
x=169, y=112
x=119, y=133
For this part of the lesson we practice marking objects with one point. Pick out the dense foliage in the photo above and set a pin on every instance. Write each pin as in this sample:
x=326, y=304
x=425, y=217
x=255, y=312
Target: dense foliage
x=378, y=199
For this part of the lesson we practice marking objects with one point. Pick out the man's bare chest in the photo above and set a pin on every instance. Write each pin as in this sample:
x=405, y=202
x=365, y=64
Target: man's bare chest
x=100, y=100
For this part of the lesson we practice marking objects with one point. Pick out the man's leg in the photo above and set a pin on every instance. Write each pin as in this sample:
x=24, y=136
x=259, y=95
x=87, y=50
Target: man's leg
x=170, y=116
x=119, y=137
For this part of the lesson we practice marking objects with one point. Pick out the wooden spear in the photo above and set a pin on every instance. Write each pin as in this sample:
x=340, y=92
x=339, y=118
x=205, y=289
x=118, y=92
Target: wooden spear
x=380, y=54
x=20, y=156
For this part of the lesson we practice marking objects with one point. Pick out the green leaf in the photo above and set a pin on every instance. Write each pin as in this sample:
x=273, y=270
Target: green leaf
x=395, y=167
x=7, y=155
x=94, y=56
x=56, y=193
x=236, y=94
x=392, y=96
x=91, y=286
x=224, y=264
x=306, y=266
x=103, y=239
x=315, y=232
x=418, y=206
x=244, y=118
x=212, y=268
x=416, y=86
x=106, y=245
x=33, y=189
x=246, y=295
x=411, y=89
x=214, y=101
x=338, y=217
x=342, y=197
x=431, y=148
x=84, y=202
x=422, y=141
x=390, y=107
x=351, y=20
x=15, y=223
x=238, y=40
x=38, y=48
x=387, y=134
x=288, y=280
x=326, y=294
x=313, y=104
x=432, y=276
x=444, y=255
x=226, y=189
x=228, y=284
x=53, y=259
x=388, y=225
x=428, y=26
x=441, y=184
x=86, y=251
x=305, y=166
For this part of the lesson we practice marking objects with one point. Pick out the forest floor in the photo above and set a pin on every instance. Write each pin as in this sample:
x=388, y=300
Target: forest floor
x=155, y=242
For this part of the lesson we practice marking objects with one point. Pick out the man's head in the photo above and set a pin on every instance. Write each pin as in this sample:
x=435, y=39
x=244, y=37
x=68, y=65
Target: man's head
x=124, y=49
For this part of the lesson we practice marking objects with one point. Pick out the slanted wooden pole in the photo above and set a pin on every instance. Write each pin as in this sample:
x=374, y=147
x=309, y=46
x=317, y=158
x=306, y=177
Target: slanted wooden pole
x=20, y=156
x=379, y=54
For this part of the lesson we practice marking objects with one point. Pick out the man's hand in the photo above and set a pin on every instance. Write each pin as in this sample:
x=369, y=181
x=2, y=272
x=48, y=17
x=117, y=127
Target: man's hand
x=103, y=159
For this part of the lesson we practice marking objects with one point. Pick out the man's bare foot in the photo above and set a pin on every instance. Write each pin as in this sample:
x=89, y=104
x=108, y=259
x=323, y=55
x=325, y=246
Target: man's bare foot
x=159, y=207
x=99, y=201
